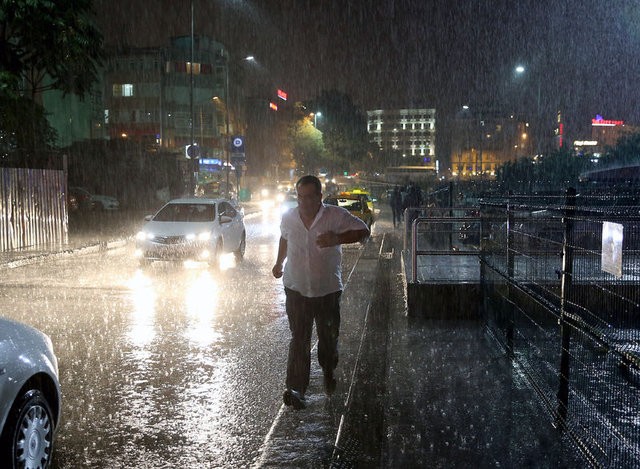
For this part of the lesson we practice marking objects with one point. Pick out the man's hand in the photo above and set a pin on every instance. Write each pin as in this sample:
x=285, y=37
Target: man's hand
x=328, y=239
x=277, y=270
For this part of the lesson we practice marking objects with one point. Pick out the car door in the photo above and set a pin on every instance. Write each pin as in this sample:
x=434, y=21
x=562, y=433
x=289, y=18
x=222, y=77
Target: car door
x=232, y=230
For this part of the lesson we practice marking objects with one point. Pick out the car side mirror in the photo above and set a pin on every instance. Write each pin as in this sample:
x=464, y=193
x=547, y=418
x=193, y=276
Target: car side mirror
x=225, y=219
x=148, y=217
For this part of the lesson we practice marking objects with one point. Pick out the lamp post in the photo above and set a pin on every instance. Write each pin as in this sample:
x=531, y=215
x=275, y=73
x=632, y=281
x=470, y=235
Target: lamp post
x=479, y=161
x=227, y=141
x=194, y=164
x=315, y=118
x=520, y=70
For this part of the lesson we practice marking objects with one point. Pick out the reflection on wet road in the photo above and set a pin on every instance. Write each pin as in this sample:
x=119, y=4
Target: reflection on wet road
x=171, y=366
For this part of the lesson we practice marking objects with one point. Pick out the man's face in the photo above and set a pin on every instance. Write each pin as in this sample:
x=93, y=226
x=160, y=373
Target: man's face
x=309, y=200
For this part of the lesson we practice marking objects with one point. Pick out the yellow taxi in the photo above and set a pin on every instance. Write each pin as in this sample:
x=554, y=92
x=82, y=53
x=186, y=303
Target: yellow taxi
x=364, y=194
x=355, y=203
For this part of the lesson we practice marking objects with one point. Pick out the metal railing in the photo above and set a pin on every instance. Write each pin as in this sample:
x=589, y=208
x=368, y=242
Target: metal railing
x=562, y=294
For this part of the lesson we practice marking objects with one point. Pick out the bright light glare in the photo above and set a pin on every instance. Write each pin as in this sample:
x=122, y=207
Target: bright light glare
x=206, y=236
x=202, y=305
x=266, y=204
x=227, y=261
x=519, y=69
x=141, y=235
x=141, y=330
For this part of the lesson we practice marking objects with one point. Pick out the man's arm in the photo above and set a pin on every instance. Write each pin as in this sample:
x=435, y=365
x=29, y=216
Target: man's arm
x=282, y=255
x=331, y=238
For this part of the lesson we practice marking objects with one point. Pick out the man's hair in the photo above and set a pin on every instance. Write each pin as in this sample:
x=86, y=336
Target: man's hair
x=309, y=179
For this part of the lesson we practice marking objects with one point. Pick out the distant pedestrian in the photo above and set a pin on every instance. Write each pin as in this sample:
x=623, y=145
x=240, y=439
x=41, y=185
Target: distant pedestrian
x=412, y=201
x=395, y=201
x=311, y=237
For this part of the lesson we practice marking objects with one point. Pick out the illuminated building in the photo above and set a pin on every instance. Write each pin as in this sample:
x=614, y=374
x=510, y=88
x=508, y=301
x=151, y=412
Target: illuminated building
x=404, y=137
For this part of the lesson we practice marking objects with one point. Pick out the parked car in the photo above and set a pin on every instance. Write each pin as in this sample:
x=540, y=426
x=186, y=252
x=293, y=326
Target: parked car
x=88, y=201
x=192, y=229
x=355, y=204
x=29, y=396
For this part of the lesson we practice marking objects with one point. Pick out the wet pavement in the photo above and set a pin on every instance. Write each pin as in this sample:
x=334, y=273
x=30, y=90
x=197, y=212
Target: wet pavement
x=412, y=392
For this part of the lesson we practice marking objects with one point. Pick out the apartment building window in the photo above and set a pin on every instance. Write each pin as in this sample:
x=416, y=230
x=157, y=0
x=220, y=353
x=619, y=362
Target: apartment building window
x=122, y=90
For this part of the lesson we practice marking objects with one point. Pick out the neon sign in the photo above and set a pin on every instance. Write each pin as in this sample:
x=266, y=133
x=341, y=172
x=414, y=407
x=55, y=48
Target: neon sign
x=599, y=121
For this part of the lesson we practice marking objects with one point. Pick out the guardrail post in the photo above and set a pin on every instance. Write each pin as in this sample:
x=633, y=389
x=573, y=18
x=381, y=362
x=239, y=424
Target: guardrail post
x=510, y=274
x=565, y=327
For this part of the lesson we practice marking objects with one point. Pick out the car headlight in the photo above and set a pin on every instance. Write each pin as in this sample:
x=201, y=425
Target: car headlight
x=206, y=236
x=190, y=237
x=280, y=197
x=142, y=235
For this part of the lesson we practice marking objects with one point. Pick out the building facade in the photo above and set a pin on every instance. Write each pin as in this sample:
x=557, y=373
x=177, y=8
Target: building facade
x=481, y=143
x=404, y=137
x=157, y=96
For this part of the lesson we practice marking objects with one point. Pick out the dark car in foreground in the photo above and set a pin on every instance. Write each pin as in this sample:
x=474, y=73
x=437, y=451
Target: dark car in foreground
x=29, y=396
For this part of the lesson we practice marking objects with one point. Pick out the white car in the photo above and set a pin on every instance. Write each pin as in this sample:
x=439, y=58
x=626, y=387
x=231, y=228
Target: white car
x=29, y=396
x=192, y=229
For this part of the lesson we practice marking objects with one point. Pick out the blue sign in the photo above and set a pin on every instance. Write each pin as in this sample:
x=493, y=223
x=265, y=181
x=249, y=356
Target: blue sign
x=237, y=144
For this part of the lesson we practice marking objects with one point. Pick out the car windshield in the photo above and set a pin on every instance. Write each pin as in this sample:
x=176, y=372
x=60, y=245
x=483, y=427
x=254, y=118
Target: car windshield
x=350, y=204
x=186, y=213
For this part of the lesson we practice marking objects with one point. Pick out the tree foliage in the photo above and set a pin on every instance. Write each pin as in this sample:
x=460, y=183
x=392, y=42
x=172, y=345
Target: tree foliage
x=557, y=171
x=626, y=151
x=307, y=146
x=48, y=40
x=344, y=130
x=26, y=138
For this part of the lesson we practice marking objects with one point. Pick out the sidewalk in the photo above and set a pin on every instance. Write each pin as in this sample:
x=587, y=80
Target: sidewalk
x=450, y=398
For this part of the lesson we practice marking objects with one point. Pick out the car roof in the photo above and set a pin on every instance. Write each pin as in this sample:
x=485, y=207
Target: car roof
x=196, y=200
x=345, y=195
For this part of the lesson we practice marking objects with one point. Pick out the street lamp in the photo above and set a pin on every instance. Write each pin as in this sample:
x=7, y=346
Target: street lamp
x=520, y=70
x=315, y=118
x=227, y=142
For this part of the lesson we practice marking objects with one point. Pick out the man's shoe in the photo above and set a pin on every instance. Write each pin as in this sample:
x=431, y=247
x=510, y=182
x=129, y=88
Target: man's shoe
x=329, y=383
x=291, y=397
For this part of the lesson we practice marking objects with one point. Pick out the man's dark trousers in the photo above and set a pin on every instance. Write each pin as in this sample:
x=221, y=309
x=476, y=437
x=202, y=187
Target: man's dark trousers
x=302, y=311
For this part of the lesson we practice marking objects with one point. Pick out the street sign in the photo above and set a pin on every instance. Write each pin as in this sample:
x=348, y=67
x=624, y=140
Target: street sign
x=192, y=151
x=237, y=144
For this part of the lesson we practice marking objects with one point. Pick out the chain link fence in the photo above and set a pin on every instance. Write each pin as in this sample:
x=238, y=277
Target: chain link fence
x=560, y=278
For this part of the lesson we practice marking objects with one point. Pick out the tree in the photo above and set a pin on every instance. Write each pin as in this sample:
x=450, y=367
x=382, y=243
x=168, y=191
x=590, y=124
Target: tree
x=47, y=40
x=557, y=171
x=43, y=45
x=25, y=134
x=344, y=130
x=626, y=151
x=307, y=147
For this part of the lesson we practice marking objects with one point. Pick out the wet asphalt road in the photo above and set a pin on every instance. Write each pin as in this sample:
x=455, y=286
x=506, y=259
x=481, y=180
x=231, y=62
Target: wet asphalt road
x=170, y=366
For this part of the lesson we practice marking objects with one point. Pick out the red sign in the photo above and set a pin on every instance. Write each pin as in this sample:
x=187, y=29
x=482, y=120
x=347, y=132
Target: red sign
x=282, y=95
x=605, y=122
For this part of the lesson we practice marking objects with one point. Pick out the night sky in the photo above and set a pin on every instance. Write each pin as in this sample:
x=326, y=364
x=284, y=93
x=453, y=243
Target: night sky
x=582, y=55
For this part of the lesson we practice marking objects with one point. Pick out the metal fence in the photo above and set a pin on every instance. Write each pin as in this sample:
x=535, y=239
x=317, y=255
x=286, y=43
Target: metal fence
x=33, y=209
x=561, y=292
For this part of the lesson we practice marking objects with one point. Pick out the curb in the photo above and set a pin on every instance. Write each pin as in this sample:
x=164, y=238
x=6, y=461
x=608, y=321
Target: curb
x=34, y=258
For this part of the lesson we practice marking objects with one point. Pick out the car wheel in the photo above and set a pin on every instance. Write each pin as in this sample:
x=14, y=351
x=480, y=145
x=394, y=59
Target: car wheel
x=239, y=253
x=28, y=437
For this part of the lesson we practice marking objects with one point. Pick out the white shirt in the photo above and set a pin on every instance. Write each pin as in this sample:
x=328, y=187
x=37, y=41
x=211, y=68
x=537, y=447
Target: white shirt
x=310, y=270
